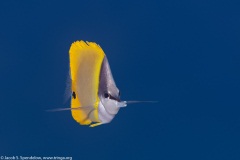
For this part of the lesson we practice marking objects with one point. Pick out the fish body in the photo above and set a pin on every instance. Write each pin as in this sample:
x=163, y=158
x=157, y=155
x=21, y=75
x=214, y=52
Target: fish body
x=95, y=97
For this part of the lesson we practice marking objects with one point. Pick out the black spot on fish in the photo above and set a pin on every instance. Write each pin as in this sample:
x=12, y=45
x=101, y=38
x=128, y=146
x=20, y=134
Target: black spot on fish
x=106, y=95
x=74, y=95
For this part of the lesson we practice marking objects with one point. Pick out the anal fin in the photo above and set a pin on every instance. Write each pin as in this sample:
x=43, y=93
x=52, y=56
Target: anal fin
x=96, y=124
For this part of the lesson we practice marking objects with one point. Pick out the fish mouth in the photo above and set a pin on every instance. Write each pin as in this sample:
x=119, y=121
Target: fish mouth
x=122, y=104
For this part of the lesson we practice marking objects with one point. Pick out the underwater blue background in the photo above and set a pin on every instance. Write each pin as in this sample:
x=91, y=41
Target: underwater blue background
x=184, y=54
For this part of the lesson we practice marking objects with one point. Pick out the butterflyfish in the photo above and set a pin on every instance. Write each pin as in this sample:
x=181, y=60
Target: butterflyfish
x=95, y=98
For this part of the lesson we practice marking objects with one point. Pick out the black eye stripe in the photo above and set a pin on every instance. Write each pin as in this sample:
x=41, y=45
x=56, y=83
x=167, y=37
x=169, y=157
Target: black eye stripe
x=107, y=95
x=111, y=97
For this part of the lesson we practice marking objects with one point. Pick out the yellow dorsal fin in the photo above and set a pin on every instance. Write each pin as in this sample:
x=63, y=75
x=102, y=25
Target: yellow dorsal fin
x=85, y=65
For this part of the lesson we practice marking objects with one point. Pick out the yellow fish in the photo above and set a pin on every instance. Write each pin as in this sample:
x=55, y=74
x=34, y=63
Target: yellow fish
x=95, y=97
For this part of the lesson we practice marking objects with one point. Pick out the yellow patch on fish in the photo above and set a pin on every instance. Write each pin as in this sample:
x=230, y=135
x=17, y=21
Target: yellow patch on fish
x=85, y=65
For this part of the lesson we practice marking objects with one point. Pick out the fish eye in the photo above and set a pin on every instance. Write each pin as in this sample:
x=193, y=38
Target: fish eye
x=107, y=95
